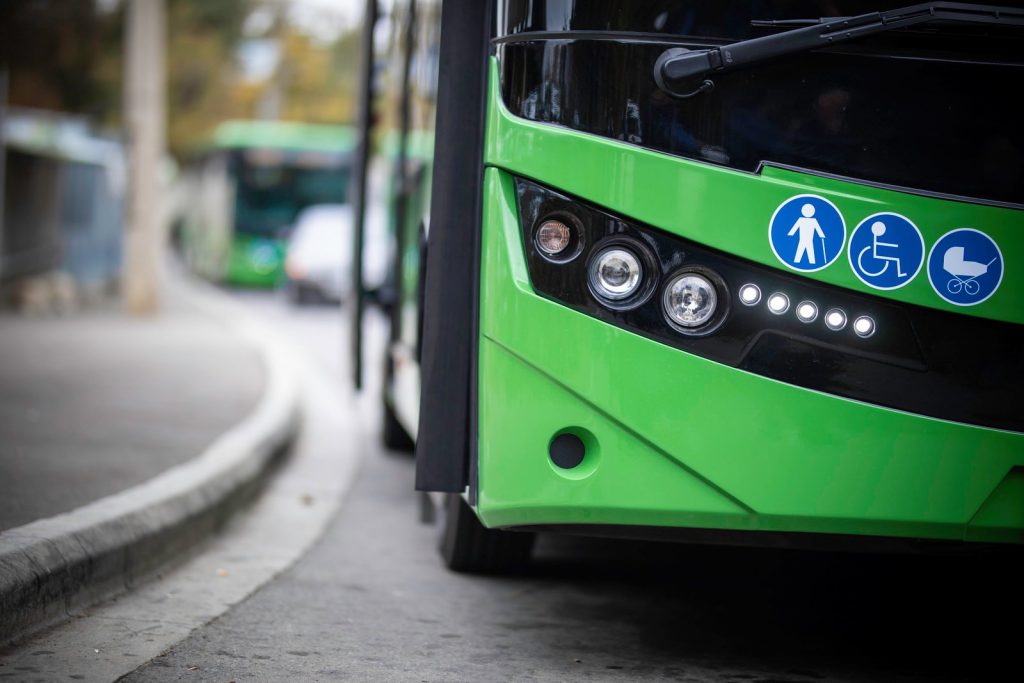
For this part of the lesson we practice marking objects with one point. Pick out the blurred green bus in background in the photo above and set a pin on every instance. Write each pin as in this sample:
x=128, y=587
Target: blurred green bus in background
x=243, y=190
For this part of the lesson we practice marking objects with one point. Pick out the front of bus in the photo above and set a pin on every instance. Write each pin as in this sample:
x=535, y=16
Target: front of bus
x=769, y=295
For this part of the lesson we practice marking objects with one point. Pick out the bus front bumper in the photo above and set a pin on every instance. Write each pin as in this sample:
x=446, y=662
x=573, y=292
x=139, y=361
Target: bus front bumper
x=675, y=441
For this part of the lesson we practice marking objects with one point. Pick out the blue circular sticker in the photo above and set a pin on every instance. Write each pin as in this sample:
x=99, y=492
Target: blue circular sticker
x=965, y=267
x=807, y=232
x=886, y=251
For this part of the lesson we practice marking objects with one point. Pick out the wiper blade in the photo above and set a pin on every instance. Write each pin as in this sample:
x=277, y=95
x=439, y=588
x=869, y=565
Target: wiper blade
x=774, y=23
x=677, y=65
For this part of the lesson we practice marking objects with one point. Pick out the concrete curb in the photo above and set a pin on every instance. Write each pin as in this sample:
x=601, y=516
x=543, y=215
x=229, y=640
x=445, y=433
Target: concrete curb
x=51, y=567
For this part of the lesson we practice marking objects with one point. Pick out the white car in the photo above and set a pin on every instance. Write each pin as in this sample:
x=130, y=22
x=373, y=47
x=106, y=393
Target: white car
x=319, y=260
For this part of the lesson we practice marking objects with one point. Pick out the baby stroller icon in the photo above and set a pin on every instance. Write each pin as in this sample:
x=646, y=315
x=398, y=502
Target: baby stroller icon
x=964, y=272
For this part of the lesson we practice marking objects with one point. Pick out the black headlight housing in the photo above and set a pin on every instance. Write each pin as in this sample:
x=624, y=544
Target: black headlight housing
x=912, y=361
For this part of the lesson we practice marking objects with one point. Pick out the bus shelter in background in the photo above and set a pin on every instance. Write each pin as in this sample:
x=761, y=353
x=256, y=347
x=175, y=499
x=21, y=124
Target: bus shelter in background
x=63, y=198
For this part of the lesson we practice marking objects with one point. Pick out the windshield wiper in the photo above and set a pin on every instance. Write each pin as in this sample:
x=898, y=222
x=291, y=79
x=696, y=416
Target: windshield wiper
x=677, y=66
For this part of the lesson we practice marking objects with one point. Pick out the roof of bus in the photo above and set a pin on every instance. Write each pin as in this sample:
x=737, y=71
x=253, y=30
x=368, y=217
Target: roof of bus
x=288, y=135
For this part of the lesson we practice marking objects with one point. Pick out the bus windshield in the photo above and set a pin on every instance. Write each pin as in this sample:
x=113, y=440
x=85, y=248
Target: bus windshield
x=844, y=111
x=273, y=187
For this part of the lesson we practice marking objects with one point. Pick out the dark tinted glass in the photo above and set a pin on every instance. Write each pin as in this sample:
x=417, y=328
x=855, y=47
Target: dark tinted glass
x=698, y=18
x=268, y=197
x=931, y=110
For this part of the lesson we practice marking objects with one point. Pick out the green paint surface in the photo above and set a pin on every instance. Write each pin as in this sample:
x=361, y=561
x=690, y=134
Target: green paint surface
x=678, y=440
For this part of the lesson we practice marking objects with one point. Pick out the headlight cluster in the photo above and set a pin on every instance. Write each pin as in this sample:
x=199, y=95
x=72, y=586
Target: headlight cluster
x=705, y=301
x=764, y=320
x=623, y=273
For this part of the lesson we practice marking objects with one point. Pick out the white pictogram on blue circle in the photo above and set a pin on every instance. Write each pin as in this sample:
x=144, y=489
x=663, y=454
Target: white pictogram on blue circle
x=807, y=232
x=886, y=251
x=965, y=267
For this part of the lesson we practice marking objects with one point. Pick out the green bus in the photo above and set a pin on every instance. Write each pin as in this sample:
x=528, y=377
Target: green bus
x=244, y=188
x=722, y=272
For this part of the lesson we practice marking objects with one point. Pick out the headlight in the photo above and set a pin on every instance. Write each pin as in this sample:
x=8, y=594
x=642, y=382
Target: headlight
x=615, y=274
x=553, y=237
x=690, y=301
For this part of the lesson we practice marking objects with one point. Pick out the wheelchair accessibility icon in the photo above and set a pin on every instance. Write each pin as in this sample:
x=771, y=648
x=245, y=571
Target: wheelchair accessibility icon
x=965, y=267
x=886, y=251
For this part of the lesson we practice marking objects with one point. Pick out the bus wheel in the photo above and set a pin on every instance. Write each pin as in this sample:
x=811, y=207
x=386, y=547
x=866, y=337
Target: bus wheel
x=468, y=546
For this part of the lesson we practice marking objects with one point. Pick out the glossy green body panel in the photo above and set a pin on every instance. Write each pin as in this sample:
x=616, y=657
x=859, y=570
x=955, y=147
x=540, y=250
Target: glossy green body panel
x=678, y=440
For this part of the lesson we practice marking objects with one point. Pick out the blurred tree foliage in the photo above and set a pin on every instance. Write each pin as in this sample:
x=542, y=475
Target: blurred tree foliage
x=66, y=55
x=318, y=81
x=62, y=55
x=201, y=41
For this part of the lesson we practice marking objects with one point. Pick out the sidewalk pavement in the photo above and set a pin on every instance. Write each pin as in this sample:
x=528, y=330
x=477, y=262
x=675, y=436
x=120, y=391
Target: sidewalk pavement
x=96, y=402
x=126, y=441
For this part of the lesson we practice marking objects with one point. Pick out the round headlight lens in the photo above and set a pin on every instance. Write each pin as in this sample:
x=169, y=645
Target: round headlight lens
x=553, y=237
x=690, y=300
x=615, y=274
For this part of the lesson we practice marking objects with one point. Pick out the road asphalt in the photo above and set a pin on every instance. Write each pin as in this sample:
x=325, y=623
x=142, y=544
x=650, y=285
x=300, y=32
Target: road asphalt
x=372, y=602
x=96, y=402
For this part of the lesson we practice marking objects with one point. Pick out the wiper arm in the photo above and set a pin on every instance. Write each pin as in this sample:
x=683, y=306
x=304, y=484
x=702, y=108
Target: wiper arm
x=675, y=66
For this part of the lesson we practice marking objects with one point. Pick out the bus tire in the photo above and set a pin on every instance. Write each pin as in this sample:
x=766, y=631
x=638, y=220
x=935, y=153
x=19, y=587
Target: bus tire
x=468, y=546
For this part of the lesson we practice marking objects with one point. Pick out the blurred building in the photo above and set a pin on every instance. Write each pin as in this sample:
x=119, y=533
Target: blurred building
x=63, y=193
